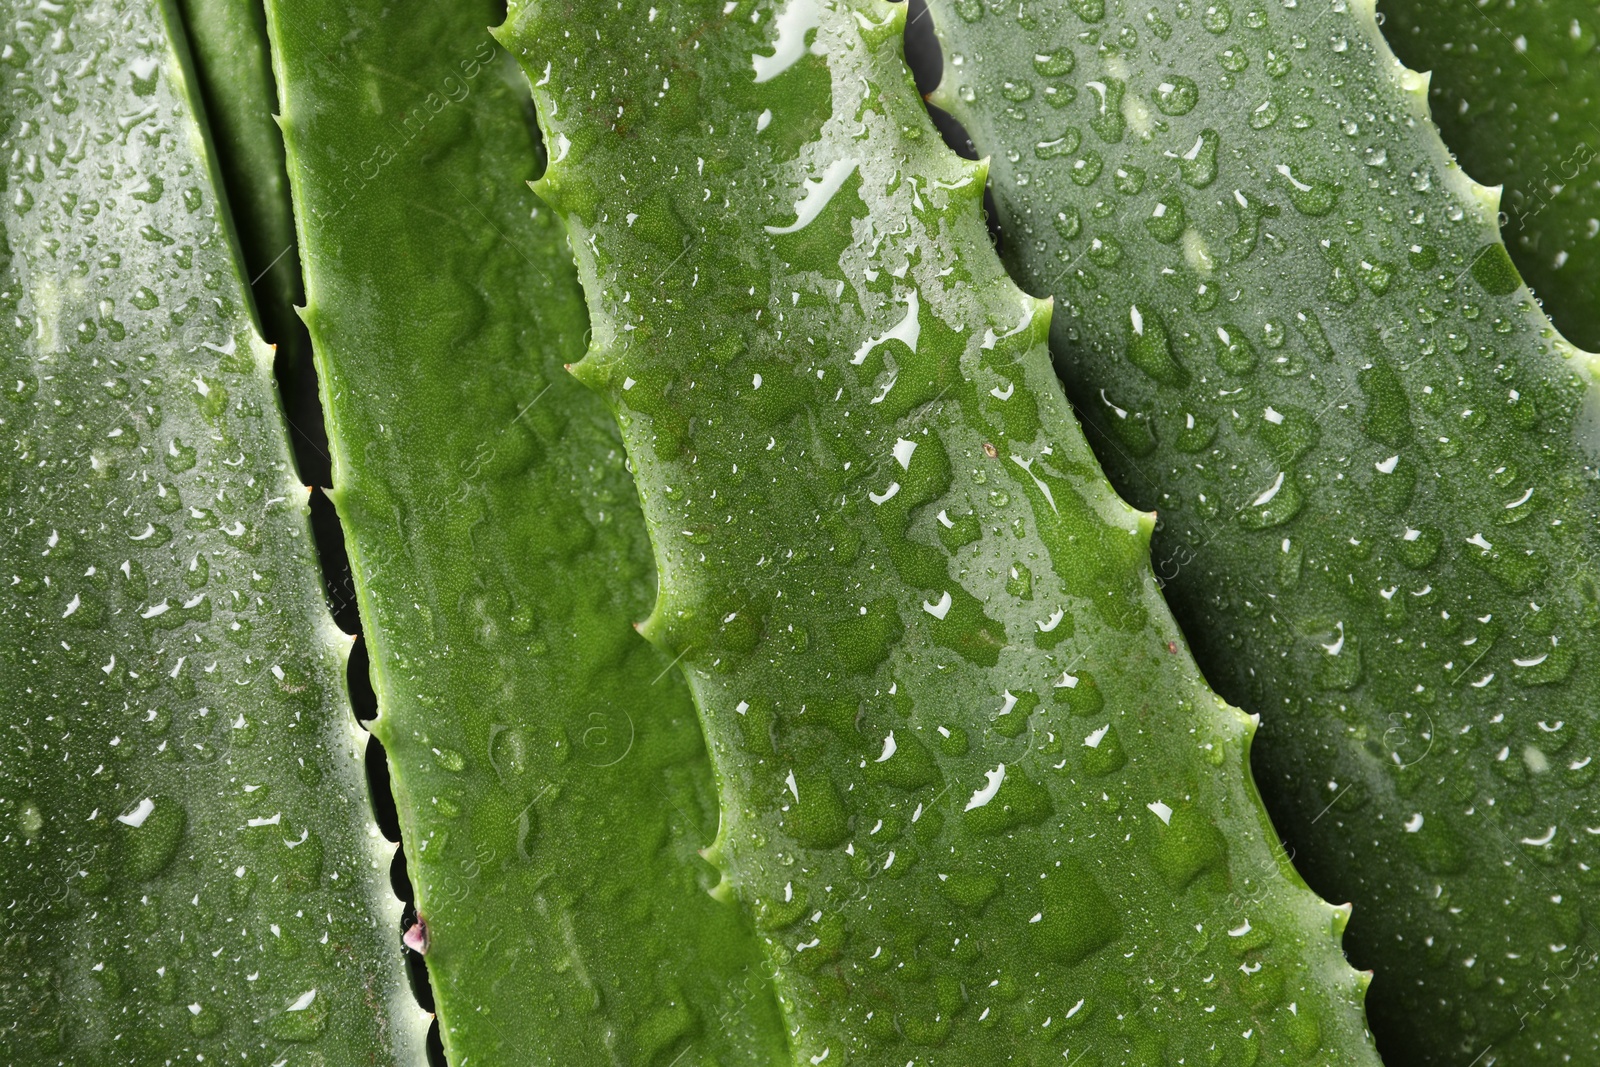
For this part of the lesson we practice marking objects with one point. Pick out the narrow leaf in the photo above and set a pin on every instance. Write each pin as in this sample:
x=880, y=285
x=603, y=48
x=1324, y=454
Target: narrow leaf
x=551, y=779
x=974, y=790
x=1376, y=472
x=1516, y=91
x=232, y=69
x=188, y=863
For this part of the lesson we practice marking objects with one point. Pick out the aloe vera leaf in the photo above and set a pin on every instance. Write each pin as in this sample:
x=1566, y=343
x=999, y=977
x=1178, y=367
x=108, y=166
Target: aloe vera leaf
x=551, y=779
x=974, y=790
x=1287, y=317
x=232, y=68
x=188, y=863
x=1516, y=93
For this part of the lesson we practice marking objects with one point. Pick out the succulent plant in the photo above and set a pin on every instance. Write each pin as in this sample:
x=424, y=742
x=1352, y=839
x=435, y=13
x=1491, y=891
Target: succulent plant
x=908, y=761
x=974, y=790
x=1288, y=318
x=189, y=867
x=1516, y=93
x=232, y=75
x=548, y=768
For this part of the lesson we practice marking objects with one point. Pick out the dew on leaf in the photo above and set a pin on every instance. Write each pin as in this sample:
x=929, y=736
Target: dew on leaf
x=1055, y=64
x=1177, y=96
x=1063, y=145
x=1198, y=165
x=1264, y=115
x=1086, y=171
x=1217, y=17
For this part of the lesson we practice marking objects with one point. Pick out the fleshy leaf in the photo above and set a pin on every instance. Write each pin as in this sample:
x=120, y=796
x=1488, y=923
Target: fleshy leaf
x=1377, y=481
x=551, y=780
x=233, y=71
x=1515, y=89
x=979, y=817
x=188, y=861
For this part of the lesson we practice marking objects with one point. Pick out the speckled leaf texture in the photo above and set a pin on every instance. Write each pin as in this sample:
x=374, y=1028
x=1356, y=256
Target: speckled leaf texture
x=1516, y=93
x=974, y=791
x=551, y=779
x=188, y=864
x=1288, y=320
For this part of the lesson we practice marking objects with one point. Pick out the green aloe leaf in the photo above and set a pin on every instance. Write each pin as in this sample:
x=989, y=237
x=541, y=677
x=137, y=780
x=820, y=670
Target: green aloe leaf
x=233, y=71
x=974, y=790
x=188, y=864
x=1289, y=320
x=1516, y=93
x=551, y=779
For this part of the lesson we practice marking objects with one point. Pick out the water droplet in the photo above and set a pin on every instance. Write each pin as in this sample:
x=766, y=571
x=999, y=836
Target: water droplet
x=1105, y=251
x=149, y=836
x=1235, y=353
x=1150, y=349
x=1075, y=917
x=1185, y=844
x=508, y=751
x=1167, y=220
x=1011, y=798
x=1217, y=17
x=1108, y=122
x=302, y=1019
x=815, y=817
x=1274, y=505
x=1377, y=276
x=204, y=1021
x=1016, y=92
x=1101, y=751
x=1090, y=11
x=1068, y=223
x=1314, y=198
x=1177, y=96
x=1264, y=115
x=149, y=190
x=1055, y=64
x=1198, y=165
x=1087, y=170
x=1435, y=845
x=1196, y=434
x=1548, y=665
x=1387, y=419
x=1066, y=144
x=1288, y=434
